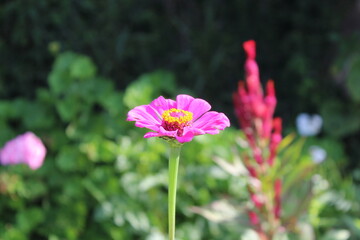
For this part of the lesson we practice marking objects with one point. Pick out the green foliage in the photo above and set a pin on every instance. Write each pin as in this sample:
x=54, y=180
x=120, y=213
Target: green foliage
x=316, y=194
x=317, y=202
x=353, y=82
x=147, y=86
x=340, y=120
x=341, y=112
x=101, y=179
x=199, y=42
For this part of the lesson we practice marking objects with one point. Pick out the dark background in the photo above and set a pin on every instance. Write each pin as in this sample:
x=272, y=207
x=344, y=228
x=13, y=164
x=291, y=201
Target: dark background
x=305, y=46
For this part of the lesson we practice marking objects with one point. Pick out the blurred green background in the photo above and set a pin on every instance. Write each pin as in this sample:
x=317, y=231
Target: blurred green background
x=71, y=70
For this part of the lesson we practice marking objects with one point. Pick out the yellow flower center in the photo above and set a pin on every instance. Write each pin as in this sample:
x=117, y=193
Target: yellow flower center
x=176, y=119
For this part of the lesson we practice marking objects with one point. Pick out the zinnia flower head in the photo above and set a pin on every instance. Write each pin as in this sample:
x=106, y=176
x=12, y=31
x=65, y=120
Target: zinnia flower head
x=179, y=120
x=26, y=148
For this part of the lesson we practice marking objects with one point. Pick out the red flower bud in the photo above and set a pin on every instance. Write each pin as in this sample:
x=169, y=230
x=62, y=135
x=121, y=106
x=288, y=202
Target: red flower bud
x=254, y=219
x=257, y=200
x=250, y=48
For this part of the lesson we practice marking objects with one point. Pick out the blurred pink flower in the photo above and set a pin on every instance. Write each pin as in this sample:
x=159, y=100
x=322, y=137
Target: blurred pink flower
x=26, y=148
x=181, y=119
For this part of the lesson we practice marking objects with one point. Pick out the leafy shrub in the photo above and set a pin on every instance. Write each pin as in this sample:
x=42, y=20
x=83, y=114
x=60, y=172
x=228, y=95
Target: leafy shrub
x=100, y=179
x=303, y=45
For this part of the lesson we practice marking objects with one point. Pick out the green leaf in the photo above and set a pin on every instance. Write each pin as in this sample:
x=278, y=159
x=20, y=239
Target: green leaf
x=148, y=87
x=353, y=80
x=68, y=159
x=113, y=103
x=82, y=68
x=29, y=218
x=35, y=116
x=68, y=68
x=4, y=109
x=67, y=108
x=13, y=233
x=340, y=119
x=99, y=149
x=59, y=78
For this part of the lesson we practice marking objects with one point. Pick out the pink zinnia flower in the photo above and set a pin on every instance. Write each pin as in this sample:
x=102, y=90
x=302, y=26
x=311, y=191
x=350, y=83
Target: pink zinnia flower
x=181, y=119
x=26, y=148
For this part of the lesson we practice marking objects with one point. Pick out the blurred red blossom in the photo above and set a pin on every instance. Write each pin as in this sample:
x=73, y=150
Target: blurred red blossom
x=254, y=110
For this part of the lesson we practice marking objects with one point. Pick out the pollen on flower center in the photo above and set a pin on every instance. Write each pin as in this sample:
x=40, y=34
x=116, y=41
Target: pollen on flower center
x=176, y=119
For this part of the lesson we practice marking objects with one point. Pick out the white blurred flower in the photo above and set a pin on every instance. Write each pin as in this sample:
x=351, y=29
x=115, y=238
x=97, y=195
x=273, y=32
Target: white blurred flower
x=318, y=154
x=320, y=183
x=155, y=235
x=308, y=125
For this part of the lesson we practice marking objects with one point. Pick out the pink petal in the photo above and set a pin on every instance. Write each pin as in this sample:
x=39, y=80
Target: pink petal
x=151, y=134
x=164, y=132
x=198, y=107
x=212, y=122
x=145, y=116
x=161, y=104
x=195, y=105
x=161, y=132
x=189, y=133
x=197, y=131
x=186, y=137
x=183, y=101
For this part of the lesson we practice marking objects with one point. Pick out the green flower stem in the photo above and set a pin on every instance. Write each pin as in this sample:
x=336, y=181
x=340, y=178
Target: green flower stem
x=173, y=172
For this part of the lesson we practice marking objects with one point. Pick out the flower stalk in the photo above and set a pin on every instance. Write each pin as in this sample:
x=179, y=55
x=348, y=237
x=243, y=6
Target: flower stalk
x=177, y=122
x=173, y=173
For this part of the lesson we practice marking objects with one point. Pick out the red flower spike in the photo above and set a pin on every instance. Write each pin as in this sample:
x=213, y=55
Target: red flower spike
x=270, y=99
x=253, y=78
x=241, y=89
x=277, y=198
x=253, y=217
x=257, y=200
x=250, y=48
x=252, y=75
x=258, y=156
x=242, y=108
x=252, y=171
x=270, y=89
x=254, y=110
x=277, y=125
x=270, y=102
x=276, y=138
